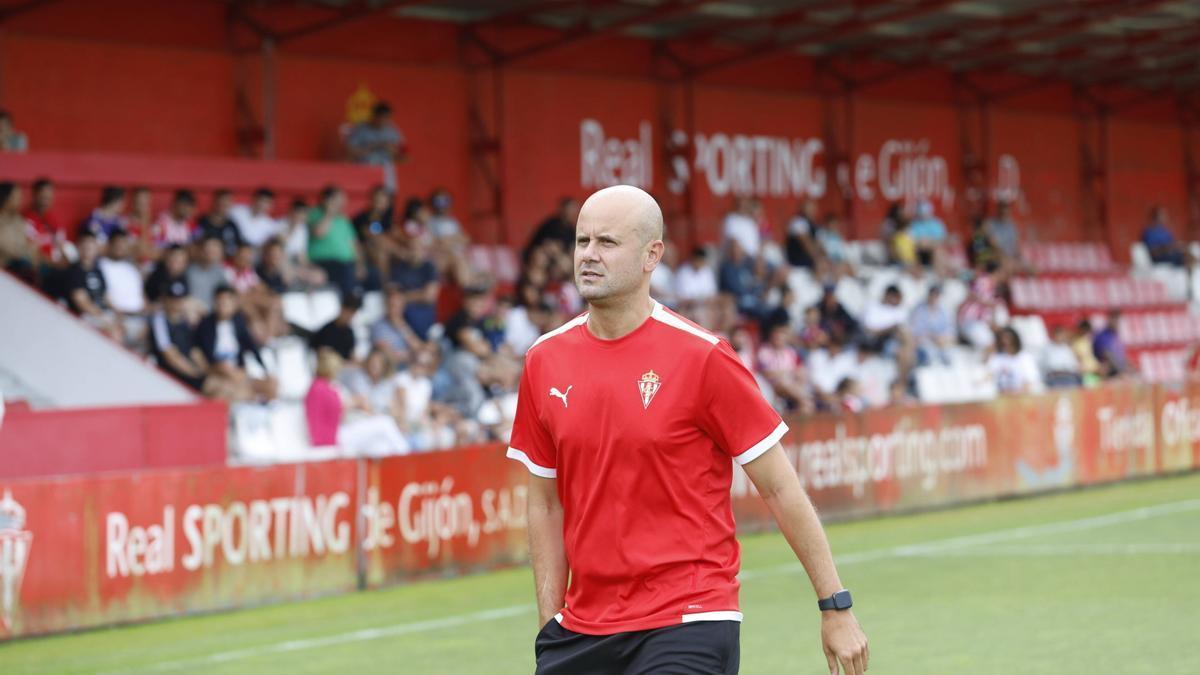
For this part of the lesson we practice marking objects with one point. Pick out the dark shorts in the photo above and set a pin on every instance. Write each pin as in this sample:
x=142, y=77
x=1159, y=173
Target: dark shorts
x=696, y=648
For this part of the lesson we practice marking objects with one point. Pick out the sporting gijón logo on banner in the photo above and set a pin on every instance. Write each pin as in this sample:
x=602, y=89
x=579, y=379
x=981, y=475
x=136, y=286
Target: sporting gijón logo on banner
x=15, y=542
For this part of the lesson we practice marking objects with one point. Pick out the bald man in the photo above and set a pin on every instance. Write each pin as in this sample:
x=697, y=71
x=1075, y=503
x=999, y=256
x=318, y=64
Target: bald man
x=627, y=419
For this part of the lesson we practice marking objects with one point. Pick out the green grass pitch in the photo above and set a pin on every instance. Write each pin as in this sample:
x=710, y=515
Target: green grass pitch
x=1105, y=580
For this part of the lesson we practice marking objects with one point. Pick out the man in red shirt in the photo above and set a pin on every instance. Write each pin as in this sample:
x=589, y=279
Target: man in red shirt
x=628, y=417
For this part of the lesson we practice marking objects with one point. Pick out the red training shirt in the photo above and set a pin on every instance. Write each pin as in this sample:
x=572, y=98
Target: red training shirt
x=639, y=432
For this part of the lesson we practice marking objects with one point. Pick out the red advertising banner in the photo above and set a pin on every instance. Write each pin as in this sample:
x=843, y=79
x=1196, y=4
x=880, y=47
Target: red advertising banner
x=84, y=552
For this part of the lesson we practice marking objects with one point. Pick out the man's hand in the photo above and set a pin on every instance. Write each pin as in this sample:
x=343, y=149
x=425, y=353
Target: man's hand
x=843, y=641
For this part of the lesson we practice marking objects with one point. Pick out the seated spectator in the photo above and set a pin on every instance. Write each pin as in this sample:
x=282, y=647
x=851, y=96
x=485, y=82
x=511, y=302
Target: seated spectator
x=173, y=339
x=837, y=322
x=1081, y=344
x=175, y=226
x=982, y=252
x=378, y=142
x=262, y=305
x=800, y=243
x=893, y=221
x=48, y=235
x=11, y=140
x=903, y=249
x=885, y=330
x=208, y=272
x=812, y=334
x=474, y=364
x=124, y=283
x=740, y=225
x=227, y=347
x=391, y=334
x=932, y=329
x=85, y=290
x=297, y=269
x=416, y=222
x=1160, y=242
x=449, y=240
x=364, y=433
x=782, y=368
x=928, y=233
x=139, y=223
x=332, y=245
x=171, y=269
x=106, y=218
x=781, y=310
x=274, y=270
x=432, y=424
x=1004, y=235
x=696, y=287
x=338, y=335
x=524, y=324
x=739, y=279
x=833, y=246
x=376, y=218
x=379, y=389
x=981, y=314
x=18, y=251
x=217, y=223
x=1060, y=366
x=559, y=228
x=1109, y=349
x=442, y=224
x=415, y=274
x=662, y=279
x=254, y=221
x=827, y=367
x=1014, y=370
x=850, y=398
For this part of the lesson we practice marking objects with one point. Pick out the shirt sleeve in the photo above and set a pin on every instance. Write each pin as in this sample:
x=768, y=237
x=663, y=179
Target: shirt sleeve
x=531, y=443
x=734, y=413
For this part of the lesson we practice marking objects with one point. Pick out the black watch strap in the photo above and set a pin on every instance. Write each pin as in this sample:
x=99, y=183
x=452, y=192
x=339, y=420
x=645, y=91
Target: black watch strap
x=838, y=601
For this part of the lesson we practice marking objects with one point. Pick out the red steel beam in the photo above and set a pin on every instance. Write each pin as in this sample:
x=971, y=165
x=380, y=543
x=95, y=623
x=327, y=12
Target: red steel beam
x=666, y=9
x=346, y=15
x=774, y=21
x=846, y=29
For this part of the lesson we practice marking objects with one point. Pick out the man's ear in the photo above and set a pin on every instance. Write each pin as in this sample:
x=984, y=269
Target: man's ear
x=654, y=253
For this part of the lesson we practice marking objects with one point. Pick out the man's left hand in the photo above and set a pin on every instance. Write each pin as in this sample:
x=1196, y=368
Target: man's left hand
x=844, y=641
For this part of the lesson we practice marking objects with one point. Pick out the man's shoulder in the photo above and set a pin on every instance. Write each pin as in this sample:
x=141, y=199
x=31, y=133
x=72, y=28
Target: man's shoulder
x=559, y=338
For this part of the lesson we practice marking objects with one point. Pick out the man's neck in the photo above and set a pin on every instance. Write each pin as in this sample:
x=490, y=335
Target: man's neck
x=620, y=319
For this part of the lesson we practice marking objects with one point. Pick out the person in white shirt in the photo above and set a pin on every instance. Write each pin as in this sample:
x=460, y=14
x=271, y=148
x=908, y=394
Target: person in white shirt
x=885, y=330
x=741, y=227
x=1014, y=370
x=1060, y=365
x=662, y=280
x=827, y=367
x=254, y=221
x=126, y=294
x=696, y=287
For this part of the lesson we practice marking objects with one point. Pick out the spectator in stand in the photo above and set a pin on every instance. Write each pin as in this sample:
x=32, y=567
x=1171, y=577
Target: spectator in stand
x=1013, y=370
x=812, y=335
x=175, y=226
x=801, y=244
x=48, y=235
x=524, y=324
x=903, y=249
x=106, y=218
x=18, y=251
x=416, y=275
x=833, y=247
x=332, y=245
x=373, y=226
x=300, y=271
x=893, y=221
x=981, y=314
x=827, y=367
x=276, y=273
x=662, y=279
x=558, y=227
x=782, y=368
x=1081, y=344
x=254, y=221
x=1060, y=366
x=1161, y=243
x=416, y=222
x=449, y=240
x=433, y=424
x=474, y=364
x=124, y=284
x=982, y=252
x=1109, y=349
x=391, y=334
x=378, y=142
x=741, y=226
x=225, y=342
x=850, y=398
x=835, y=320
x=885, y=330
x=338, y=335
x=217, y=223
x=11, y=140
x=208, y=272
x=932, y=329
x=170, y=270
x=1005, y=236
x=358, y=434
x=739, y=279
x=381, y=392
x=139, y=223
x=929, y=234
x=696, y=287
x=85, y=291
x=173, y=339
x=262, y=305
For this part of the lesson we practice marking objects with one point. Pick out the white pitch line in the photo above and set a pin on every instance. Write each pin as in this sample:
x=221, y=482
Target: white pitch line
x=949, y=546
x=1037, y=550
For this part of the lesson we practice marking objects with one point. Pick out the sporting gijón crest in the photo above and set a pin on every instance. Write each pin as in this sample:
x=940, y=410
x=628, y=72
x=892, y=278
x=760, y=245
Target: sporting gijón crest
x=648, y=386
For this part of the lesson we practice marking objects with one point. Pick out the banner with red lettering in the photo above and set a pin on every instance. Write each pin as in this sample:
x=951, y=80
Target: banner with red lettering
x=92, y=551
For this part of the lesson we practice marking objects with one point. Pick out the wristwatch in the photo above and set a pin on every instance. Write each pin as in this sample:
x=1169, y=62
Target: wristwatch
x=838, y=601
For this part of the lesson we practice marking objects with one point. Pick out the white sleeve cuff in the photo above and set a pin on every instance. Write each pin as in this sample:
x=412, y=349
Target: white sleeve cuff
x=759, y=447
x=535, y=469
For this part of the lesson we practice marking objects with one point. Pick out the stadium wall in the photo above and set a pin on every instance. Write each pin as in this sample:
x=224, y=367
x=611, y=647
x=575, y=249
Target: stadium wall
x=79, y=552
x=152, y=84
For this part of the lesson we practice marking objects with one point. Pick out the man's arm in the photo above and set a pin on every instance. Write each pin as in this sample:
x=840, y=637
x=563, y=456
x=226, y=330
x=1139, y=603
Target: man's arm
x=776, y=480
x=547, y=550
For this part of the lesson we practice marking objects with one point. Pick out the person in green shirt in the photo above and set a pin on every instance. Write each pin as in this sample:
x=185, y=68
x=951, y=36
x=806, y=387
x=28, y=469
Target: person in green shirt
x=332, y=245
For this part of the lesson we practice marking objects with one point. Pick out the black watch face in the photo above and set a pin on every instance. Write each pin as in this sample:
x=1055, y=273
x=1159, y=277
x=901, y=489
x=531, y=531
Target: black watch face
x=841, y=600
